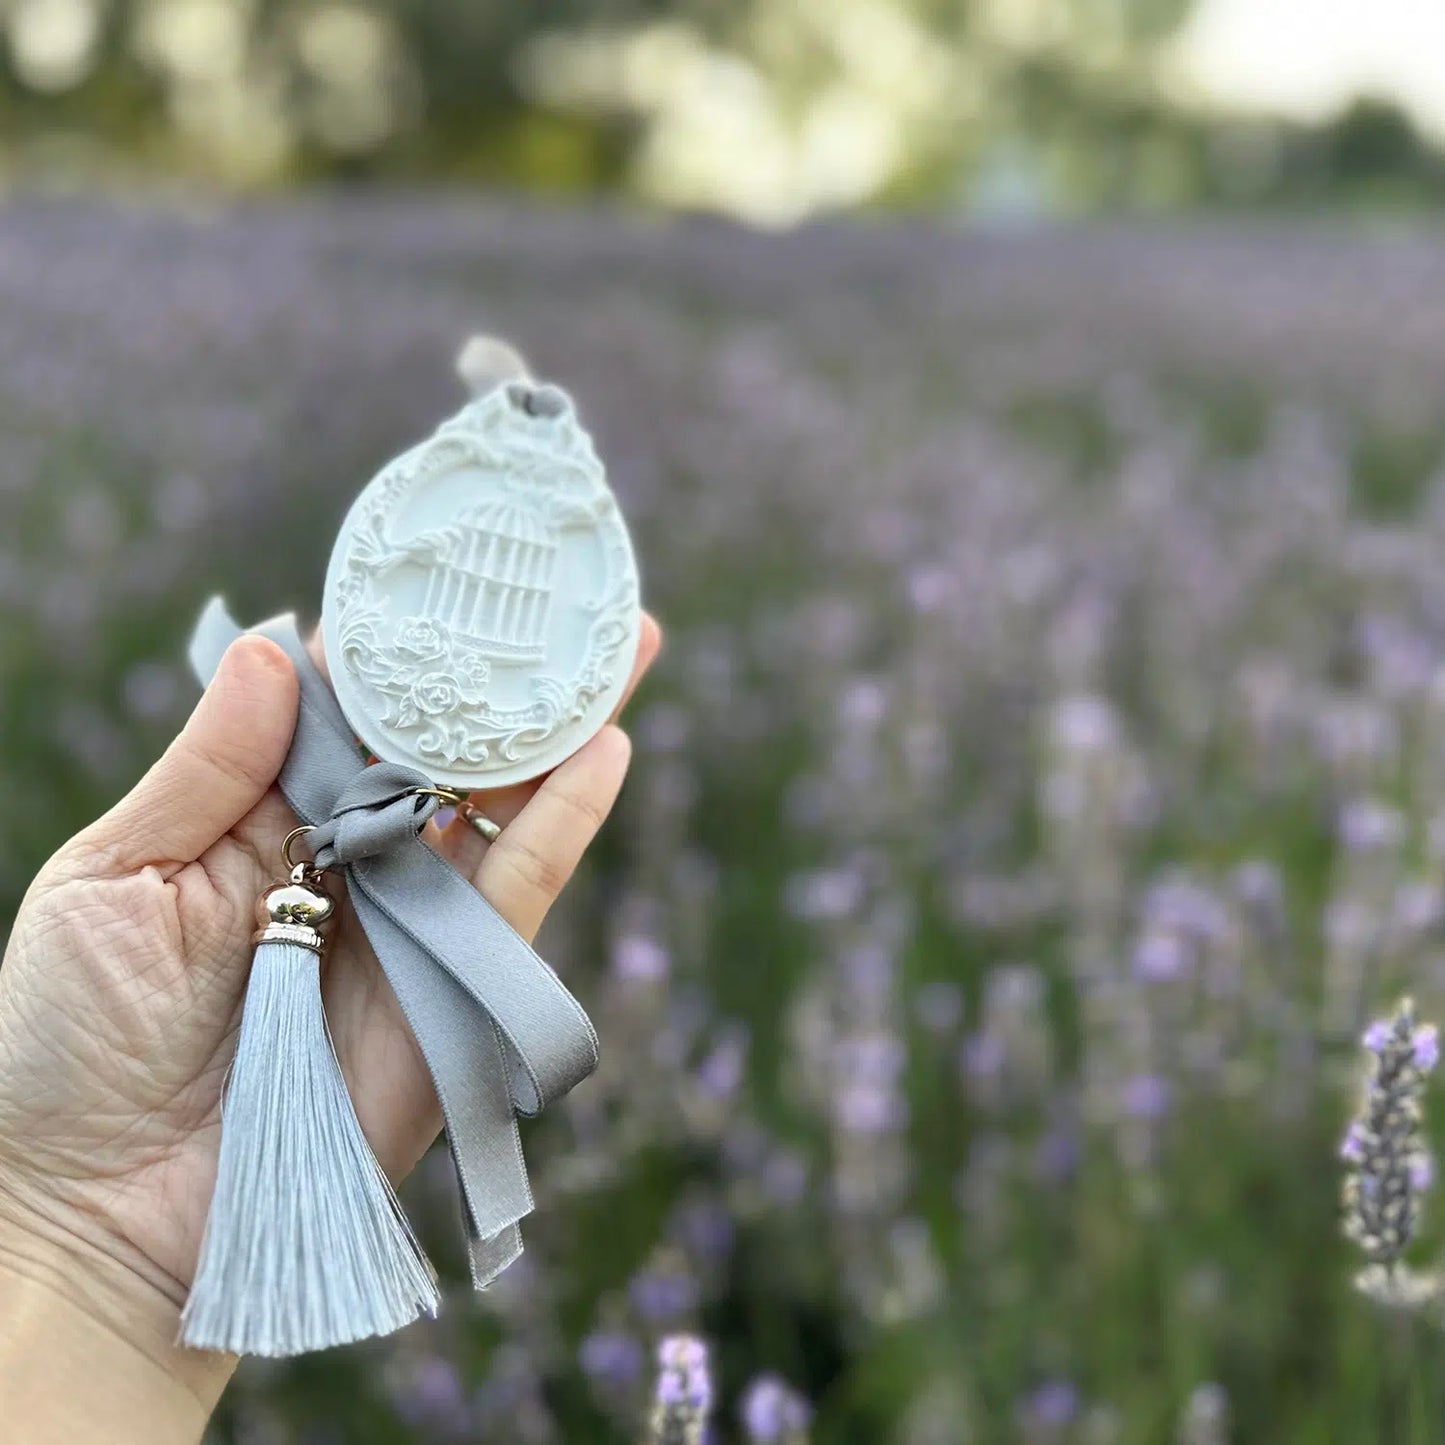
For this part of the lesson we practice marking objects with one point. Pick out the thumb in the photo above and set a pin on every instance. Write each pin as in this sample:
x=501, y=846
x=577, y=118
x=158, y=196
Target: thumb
x=213, y=774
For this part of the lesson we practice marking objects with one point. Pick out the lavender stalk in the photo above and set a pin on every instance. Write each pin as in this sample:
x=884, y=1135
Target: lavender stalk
x=1388, y=1167
x=682, y=1399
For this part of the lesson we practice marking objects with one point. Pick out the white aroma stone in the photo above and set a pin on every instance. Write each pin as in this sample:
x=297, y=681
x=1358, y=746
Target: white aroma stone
x=481, y=611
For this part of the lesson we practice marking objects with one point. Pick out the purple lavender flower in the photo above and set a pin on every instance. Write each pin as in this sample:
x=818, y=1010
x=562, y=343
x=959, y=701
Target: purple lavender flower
x=1160, y=957
x=1352, y=1146
x=1050, y=1409
x=773, y=1413
x=1180, y=904
x=612, y=1358
x=703, y=1229
x=785, y=1177
x=983, y=1056
x=1085, y=724
x=1425, y=1048
x=430, y=1394
x=830, y=893
x=1145, y=1096
x=637, y=957
x=1377, y=1037
x=663, y=1293
x=682, y=1399
x=865, y=1106
x=1056, y=1153
x=722, y=1070
x=1369, y=826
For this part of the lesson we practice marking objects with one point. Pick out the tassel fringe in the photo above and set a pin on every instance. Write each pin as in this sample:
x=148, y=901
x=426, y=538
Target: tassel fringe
x=306, y=1245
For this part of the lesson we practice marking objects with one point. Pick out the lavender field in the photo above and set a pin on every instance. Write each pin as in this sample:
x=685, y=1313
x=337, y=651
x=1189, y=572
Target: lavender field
x=1043, y=787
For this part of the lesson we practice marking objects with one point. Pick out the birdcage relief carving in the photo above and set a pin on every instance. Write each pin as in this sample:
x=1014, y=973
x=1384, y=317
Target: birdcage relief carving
x=490, y=578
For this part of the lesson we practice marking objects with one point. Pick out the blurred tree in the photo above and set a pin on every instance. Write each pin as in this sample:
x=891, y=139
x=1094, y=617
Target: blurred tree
x=1375, y=144
x=771, y=109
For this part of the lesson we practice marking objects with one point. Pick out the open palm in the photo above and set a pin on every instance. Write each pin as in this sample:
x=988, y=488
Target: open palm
x=122, y=985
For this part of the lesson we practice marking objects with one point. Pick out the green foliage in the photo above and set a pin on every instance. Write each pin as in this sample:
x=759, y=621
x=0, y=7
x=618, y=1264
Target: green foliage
x=772, y=109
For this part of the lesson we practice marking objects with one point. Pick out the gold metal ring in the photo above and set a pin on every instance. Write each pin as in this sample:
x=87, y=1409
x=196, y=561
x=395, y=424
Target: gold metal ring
x=449, y=796
x=290, y=838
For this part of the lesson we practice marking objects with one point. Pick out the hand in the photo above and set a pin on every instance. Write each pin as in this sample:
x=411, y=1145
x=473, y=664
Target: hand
x=122, y=985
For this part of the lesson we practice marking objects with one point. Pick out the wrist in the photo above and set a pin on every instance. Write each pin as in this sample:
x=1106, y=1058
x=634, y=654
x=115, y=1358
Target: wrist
x=88, y=1347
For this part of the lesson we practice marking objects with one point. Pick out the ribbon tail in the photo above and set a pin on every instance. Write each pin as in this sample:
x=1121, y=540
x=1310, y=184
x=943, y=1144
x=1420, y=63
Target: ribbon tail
x=551, y=1045
x=469, y=1071
x=487, y=1258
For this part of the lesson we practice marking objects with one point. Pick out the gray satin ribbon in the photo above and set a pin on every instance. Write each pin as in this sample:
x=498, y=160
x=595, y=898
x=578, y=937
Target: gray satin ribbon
x=499, y=1032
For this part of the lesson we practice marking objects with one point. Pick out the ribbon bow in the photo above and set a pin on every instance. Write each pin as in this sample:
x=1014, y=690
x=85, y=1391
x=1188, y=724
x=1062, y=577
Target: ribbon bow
x=500, y=1033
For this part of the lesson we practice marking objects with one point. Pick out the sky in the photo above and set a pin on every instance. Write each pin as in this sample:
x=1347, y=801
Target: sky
x=1307, y=58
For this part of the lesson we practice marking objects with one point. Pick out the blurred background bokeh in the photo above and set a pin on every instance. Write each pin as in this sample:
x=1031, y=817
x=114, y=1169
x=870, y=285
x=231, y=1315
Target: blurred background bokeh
x=1032, y=417
x=770, y=110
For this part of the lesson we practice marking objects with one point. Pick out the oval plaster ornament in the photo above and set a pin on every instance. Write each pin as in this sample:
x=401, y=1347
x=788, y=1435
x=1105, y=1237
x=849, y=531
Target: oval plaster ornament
x=481, y=612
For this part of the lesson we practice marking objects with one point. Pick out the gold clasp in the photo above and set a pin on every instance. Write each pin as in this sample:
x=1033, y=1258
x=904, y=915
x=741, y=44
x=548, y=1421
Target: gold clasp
x=467, y=811
x=300, y=870
x=449, y=796
x=291, y=863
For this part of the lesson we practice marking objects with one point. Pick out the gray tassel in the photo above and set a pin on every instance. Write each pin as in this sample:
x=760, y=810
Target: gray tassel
x=306, y=1245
